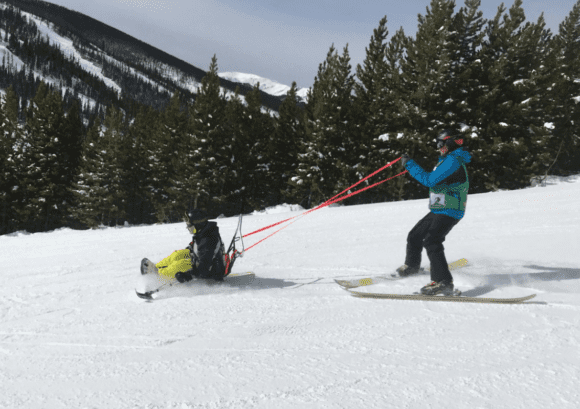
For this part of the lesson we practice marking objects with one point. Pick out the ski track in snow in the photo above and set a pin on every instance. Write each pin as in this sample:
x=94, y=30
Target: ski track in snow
x=74, y=335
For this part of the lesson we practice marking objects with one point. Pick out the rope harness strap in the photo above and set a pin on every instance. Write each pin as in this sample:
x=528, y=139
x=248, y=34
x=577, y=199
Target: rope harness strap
x=335, y=199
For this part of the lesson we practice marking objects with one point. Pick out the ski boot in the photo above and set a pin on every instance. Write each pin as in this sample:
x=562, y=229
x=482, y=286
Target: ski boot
x=148, y=267
x=439, y=287
x=405, y=270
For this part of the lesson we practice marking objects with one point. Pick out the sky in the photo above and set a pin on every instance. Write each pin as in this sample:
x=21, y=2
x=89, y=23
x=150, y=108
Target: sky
x=284, y=41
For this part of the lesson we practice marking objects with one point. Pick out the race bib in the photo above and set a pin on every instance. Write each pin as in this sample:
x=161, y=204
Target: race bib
x=437, y=200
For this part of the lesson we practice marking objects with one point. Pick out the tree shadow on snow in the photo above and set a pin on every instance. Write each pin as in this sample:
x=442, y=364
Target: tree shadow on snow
x=548, y=275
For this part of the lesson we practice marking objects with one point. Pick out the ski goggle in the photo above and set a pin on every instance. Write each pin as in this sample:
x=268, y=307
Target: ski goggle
x=189, y=225
x=192, y=223
x=441, y=142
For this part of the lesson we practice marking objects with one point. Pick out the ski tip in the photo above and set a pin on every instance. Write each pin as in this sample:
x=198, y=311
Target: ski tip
x=246, y=273
x=361, y=282
x=145, y=296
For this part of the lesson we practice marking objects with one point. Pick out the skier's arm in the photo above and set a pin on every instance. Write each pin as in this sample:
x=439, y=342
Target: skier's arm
x=430, y=179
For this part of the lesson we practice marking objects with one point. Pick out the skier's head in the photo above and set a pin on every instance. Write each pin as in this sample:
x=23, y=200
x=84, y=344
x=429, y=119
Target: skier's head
x=196, y=219
x=448, y=140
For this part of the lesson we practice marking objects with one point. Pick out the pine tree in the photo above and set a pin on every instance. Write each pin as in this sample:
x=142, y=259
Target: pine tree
x=372, y=115
x=91, y=190
x=371, y=85
x=6, y=147
x=72, y=139
x=249, y=131
x=149, y=128
x=258, y=129
x=45, y=175
x=7, y=169
x=233, y=189
x=427, y=77
x=327, y=164
x=390, y=144
x=511, y=109
x=378, y=104
x=165, y=156
x=207, y=152
x=466, y=70
x=420, y=91
x=113, y=142
x=565, y=94
x=287, y=139
x=10, y=140
x=173, y=133
x=139, y=166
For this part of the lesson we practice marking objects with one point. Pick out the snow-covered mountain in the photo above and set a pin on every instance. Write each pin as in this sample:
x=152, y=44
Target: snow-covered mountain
x=269, y=86
x=74, y=335
x=96, y=57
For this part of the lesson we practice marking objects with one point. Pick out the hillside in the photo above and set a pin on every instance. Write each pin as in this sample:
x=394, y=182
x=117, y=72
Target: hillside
x=269, y=86
x=74, y=335
x=93, y=62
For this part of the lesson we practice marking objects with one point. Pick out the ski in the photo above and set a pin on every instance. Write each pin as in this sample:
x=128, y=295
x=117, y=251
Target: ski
x=450, y=298
x=146, y=296
x=149, y=294
x=378, y=279
x=247, y=273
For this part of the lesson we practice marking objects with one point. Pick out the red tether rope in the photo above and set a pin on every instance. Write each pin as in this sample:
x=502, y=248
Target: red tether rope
x=332, y=200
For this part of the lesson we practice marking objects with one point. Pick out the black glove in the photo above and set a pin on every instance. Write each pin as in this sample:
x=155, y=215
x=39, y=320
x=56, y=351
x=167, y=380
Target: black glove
x=404, y=159
x=183, y=277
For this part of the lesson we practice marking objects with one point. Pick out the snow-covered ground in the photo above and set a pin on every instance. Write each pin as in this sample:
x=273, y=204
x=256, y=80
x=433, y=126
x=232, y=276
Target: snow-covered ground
x=74, y=335
x=269, y=86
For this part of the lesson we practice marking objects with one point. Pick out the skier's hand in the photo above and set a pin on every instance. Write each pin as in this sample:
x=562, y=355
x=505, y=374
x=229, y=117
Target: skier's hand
x=404, y=159
x=183, y=277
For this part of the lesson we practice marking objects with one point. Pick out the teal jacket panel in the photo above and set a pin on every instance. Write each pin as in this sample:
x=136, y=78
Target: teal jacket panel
x=447, y=166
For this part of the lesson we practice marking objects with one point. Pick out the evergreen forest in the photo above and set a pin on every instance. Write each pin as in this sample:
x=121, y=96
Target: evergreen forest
x=510, y=85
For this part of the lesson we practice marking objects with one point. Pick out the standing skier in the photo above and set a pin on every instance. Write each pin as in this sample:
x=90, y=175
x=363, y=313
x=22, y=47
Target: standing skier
x=448, y=185
x=203, y=258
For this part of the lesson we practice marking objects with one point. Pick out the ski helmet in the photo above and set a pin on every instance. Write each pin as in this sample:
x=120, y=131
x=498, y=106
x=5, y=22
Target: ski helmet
x=448, y=140
x=195, y=219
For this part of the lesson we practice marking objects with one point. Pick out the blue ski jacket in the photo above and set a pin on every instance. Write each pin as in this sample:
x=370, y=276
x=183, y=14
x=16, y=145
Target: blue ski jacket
x=447, y=172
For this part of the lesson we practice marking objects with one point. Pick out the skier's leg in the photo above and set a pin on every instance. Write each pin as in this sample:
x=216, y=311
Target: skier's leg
x=415, y=242
x=433, y=242
x=178, y=261
x=175, y=256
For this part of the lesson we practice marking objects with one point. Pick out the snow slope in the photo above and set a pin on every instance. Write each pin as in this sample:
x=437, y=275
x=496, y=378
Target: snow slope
x=269, y=86
x=73, y=334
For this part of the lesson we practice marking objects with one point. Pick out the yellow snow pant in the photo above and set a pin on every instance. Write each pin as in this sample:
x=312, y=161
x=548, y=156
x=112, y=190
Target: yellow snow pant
x=178, y=261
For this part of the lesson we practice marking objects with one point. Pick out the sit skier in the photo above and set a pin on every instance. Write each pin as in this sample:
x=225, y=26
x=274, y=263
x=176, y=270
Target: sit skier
x=203, y=258
x=448, y=184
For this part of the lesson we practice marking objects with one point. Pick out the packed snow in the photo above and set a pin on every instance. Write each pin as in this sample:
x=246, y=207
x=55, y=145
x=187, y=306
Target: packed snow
x=268, y=86
x=74, y=335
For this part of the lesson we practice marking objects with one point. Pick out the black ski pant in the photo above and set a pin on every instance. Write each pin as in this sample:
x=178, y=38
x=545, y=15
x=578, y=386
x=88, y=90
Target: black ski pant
x=429, y=233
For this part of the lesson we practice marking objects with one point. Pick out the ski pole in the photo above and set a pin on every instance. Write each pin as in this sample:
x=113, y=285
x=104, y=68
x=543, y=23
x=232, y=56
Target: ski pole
x=148, y=294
